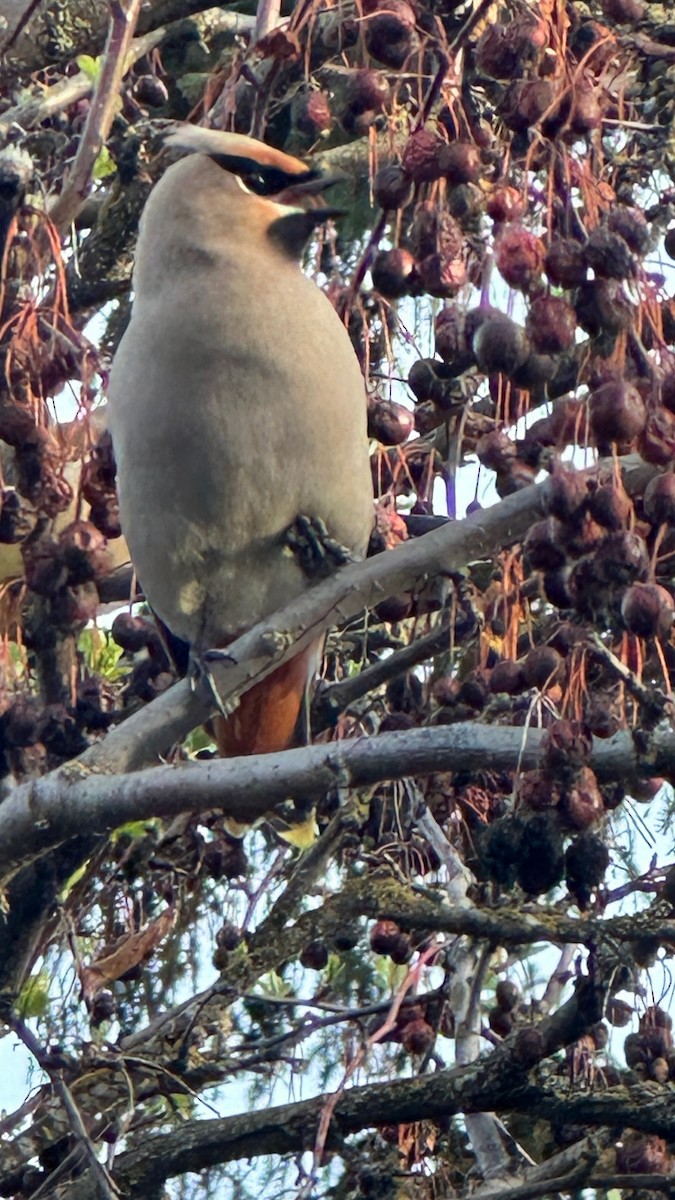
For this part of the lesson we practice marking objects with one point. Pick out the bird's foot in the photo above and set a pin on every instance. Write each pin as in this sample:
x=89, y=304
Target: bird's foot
x=316, y=551
x=200, y=675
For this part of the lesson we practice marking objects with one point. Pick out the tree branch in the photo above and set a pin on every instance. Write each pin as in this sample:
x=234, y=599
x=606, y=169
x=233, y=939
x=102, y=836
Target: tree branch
x=101, y=112
x=73, y=802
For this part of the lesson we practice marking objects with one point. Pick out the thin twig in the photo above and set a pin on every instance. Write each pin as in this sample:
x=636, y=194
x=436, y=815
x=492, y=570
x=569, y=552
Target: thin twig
x=104, y=1183
x=101, y=113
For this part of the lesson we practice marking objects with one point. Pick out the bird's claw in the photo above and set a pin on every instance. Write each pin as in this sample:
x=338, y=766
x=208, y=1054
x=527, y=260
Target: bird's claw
x=317, y=552
x=200, y=675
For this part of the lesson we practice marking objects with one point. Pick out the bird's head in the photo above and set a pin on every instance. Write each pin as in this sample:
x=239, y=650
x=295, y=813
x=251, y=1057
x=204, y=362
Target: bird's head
x=286, y=184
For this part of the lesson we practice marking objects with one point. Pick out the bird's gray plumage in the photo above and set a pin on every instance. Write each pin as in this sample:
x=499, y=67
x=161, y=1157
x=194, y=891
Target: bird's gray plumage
x=236, y=403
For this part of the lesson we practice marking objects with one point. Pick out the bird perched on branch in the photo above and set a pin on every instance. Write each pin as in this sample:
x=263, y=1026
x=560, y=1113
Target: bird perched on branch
x=237, y=411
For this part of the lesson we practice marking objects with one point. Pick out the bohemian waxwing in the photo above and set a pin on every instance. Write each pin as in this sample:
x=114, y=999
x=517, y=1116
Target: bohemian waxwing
x=236, y=406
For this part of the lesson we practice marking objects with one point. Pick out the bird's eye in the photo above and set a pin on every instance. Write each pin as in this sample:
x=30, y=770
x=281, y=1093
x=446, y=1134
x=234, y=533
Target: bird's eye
x=257, y=181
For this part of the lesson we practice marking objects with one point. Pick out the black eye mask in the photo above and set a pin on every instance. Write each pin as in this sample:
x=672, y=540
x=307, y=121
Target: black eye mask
x=261, y=179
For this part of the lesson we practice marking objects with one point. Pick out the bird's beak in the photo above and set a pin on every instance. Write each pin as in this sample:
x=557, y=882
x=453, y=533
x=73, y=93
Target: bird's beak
x=305, y=194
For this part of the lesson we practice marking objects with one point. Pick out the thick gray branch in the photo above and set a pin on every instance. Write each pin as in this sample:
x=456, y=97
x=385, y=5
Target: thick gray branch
x=74, y=802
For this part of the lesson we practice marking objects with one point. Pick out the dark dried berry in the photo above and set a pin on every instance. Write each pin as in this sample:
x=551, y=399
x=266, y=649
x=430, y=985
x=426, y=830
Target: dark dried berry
x=507, y=994
x=602, y=307
x=102, y=1007
x=608, y=254
x=384, y=936
x=647, y=610
x=392, y=188
x=389, y=422
x=507, y=677
x=500, y=1021
x=500, y=346
x=543, y=547
x=505, y=204
x=421, y=156
x=619, y=1014
x=132, y=633
x=418, y=1037
x=582, y=804
x=586, y=861
x=659, y=500
x=551, y=324
x=312, y=113
x=440, y=276
x=460, y=162
x=390, y=32
x=314, y=956
x=18, y=517
x=150, y=90
x=617, y=412
x=542, y=666
x=393, y=273
x=519, y=256
x=565, y=264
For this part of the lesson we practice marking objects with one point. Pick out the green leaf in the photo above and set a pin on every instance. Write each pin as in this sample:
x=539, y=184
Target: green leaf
x=101, y=654
x=104, y=165
x=272, y=984
x=34, y=996
x=90, y=66
x=135, y=830
x=72, y=880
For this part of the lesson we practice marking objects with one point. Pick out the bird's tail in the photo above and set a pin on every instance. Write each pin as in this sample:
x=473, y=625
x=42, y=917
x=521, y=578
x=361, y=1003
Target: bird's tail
x=267, y=714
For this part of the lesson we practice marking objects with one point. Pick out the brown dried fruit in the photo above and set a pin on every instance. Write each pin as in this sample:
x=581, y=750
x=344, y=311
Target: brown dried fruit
x=393, y=273
x=84, y=550
x=421, y=156
x=519, y=256
x=608, y=254
x=132, y=633
x=647, y=610
x=390, y=32
x=582, y=804
x=565, y=264
x=619, y=1014
x=312, y=113
x=435, y=231
x=505, y=204
x=617, y=412
x=460, y=162
x=551, y=324
x=314, y=956
x=150, y=90
x=500, y=1021
x=566, y=747
x=543, y=666
x=440, y=276
x=507, y=677
x=500, y=346
x=610, y=506
x=451, y=342
x=389, y=422
x=602, y=306
x=418, y=1037
x=18, y=517
x=392, y=188
x=657, y=442
x=641, y=1153
x=495, y=450
x=507, y=994
x=659, y=500
x=384, y=936
x=544, y=545
x=537, y=791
